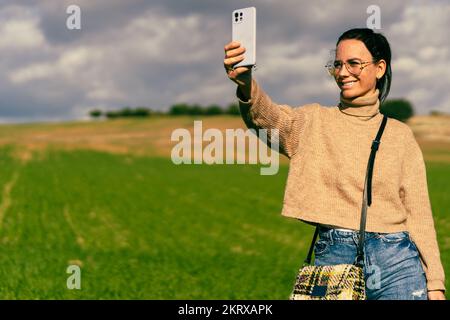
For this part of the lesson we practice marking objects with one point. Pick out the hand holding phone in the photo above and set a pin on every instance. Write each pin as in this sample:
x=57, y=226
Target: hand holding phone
x=239, y=60
x=244, y=32
x=242, y=76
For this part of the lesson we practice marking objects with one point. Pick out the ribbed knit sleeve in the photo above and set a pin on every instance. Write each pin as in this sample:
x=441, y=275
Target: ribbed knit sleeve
x=260, y=112
x=420, y=224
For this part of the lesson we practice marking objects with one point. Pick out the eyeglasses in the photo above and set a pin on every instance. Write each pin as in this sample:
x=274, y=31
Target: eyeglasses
x=353, y=66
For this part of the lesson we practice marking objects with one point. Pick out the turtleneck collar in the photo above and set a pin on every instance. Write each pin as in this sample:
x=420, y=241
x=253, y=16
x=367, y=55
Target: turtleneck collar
x=365, y=108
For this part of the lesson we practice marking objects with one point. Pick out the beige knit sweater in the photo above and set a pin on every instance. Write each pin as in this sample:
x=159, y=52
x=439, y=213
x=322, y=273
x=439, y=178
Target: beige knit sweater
x=329, y=148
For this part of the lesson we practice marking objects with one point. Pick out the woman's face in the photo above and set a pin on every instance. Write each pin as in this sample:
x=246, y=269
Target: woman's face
x=352, y=85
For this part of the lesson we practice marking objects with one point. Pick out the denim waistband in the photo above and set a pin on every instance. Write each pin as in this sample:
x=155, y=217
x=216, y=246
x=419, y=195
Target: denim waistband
x=340, y=235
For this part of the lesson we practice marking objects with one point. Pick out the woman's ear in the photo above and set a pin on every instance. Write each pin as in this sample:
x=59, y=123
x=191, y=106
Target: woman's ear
x=381, y=69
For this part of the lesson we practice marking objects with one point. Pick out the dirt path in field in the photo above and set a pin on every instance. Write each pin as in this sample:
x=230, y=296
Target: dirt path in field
x=6, y=197
x=78, y=237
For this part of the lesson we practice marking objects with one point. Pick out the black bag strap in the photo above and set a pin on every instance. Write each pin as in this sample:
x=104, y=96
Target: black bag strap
x=367, y=201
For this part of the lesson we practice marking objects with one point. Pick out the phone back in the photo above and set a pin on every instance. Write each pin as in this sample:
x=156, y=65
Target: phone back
x=244, y=31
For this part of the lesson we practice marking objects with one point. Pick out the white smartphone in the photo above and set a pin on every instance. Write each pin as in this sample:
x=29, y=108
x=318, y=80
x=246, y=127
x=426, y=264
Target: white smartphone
x=244, y=31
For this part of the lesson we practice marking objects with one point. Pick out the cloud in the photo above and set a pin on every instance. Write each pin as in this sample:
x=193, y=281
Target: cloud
x=157, y=53
x=68, y=67
x=421, y=47
x=20, y=34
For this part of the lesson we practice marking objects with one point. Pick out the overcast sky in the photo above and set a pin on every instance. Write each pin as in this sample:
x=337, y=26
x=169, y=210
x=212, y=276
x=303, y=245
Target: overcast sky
x=160, y=52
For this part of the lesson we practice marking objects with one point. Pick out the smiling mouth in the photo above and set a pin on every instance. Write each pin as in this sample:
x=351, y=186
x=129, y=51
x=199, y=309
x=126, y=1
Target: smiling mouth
x=347, y=84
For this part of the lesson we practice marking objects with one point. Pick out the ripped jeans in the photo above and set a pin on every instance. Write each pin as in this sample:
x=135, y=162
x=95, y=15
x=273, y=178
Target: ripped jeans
x=392, y=268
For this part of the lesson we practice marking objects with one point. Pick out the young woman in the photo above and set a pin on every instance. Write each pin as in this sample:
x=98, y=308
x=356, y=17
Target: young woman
x=329, y=147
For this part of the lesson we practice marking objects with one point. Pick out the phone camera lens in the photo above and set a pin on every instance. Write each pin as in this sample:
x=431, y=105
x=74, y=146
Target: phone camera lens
x=236, y=14
x=241, y=14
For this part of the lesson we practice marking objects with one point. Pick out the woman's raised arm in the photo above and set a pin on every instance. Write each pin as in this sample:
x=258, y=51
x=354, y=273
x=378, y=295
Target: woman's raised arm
x=257, y=108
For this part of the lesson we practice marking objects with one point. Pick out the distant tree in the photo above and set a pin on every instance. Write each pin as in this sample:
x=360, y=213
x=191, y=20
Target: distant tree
x=437, y=113
x=400, y=109
x=96, y=113
x=142, y=112
x=179, y=109
x=196, y=110
x=125, y=112
x=213, y=110
x=233, y=109
x=112, y=114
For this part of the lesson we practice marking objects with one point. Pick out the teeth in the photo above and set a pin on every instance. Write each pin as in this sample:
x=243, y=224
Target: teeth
x=348, y=84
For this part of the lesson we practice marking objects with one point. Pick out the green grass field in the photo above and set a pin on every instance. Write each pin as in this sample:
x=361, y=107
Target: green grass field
x=141, y=227
x=144, y=228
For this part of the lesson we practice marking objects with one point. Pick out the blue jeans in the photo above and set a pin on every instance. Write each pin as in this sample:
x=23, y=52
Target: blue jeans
x=392, y=267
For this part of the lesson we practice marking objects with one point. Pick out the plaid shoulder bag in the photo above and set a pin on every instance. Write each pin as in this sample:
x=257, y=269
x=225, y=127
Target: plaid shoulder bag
x=343, y=281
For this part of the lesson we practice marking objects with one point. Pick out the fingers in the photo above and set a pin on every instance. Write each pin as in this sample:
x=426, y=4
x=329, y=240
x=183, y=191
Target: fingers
x=232, y=61
x=234, y=73
x=241, y=70
x=232, y=45
x=234, y=53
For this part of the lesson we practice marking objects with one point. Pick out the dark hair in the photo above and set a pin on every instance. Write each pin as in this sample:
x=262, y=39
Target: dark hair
x=379, y=47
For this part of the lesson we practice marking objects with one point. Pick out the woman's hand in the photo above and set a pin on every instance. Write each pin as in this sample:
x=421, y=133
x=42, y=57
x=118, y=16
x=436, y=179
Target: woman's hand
x=436, y=295
x=242, y=76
